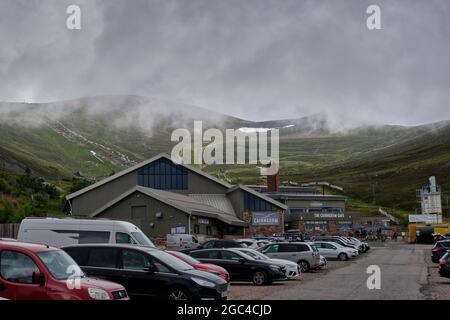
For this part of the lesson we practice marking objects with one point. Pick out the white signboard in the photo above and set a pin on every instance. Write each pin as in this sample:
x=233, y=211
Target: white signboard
x=424, y=218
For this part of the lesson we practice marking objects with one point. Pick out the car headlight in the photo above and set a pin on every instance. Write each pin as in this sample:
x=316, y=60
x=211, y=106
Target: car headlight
x=204, y=283
x=98, y=294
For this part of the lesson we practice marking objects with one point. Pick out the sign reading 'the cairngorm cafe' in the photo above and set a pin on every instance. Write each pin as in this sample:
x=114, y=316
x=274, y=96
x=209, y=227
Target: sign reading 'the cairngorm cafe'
x=265, y=218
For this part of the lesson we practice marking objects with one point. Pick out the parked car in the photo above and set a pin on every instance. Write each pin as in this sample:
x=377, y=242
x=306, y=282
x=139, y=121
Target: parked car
x=249, y=243
x=444, y=265
x=262, y=243
x=212, y=268
x=39, y=272
x=217, y=243
x=63, y=232
x=333, y=250
x=365, y=246
x=292, y=270
x=305, y=254
x=340, y=241
x=240, y=266
x=148, y=272
x=181, y=241
x=439, y=249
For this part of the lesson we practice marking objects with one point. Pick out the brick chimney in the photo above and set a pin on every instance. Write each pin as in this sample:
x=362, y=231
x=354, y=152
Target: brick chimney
x=273, y=182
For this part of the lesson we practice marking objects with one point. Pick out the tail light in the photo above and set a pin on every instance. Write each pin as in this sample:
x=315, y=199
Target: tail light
x=442, y=263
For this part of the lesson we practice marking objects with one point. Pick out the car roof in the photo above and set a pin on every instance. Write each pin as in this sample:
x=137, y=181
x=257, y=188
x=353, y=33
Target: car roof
x=31, y=247
x=108, y=245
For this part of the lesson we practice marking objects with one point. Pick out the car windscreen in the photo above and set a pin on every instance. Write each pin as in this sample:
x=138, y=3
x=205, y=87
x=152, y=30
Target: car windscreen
x=252, y=255
x=60, y=265
x=171, y=261
x=142, y=239
x=186, y=258
x=313, y=247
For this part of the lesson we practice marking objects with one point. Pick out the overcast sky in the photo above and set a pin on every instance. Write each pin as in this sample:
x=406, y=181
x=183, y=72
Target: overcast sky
x=257, y=59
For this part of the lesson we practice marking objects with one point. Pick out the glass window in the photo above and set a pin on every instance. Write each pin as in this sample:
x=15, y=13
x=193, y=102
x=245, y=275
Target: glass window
x=102, y=258
x=227, y=255
x=288, y=248
x=208, y=230
x=60, y=264
x=210, y=254
x=134, y=260
x=253, y=203
x=17, y=267
x=163, y=174
x=86, y=237
x=124, y=238
x=301, y=247
x=272, y=248
x=208, y=244
x=80, y=255
x=164, y=262
x=142, y=239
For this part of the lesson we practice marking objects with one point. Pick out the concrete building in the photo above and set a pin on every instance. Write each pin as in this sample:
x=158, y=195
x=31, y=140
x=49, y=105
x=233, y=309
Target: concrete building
x=309, y=211
x=162, y=197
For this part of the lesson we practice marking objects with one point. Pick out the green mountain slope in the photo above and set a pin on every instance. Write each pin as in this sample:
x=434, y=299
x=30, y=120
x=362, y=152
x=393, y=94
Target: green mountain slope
x=100, y=135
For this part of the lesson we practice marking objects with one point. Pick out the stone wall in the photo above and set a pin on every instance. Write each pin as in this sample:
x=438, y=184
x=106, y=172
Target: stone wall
x=263, y=230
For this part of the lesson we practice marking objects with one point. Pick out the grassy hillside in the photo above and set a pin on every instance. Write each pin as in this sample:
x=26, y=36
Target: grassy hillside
x=377, y=165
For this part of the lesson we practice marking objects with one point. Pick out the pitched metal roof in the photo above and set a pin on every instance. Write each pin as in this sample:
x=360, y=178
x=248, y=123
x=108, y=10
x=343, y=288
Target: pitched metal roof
x=139, y=165
x=181, y=202
x=259, y=195
x=218, y=201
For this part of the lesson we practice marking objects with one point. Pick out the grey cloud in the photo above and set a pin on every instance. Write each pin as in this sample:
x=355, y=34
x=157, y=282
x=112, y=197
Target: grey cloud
x=257, y=59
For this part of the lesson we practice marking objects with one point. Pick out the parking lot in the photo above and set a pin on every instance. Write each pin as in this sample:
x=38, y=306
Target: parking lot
x=406, y=273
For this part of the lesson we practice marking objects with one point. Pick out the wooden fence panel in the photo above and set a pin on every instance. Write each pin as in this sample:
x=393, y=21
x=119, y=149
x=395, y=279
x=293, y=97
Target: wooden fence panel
x=9, y=230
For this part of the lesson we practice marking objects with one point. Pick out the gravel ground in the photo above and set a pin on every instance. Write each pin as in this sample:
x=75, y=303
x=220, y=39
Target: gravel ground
x=407, y=273
x=248, y=291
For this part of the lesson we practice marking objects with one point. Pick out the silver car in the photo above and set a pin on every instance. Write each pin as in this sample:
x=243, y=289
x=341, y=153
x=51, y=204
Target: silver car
x=305, y=254
x=333, y=250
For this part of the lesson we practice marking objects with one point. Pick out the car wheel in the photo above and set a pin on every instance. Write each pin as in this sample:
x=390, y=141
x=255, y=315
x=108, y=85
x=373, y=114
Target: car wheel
x=259, y=277
x=343, y=256
x=178, y=294
x=304, y=265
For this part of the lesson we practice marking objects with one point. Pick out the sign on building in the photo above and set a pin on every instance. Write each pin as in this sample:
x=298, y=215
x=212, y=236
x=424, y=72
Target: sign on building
x=425, y=218
x=269, y=218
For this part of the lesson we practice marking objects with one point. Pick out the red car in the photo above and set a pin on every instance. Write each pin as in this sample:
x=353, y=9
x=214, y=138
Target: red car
x=39, y=272
x=212, y=268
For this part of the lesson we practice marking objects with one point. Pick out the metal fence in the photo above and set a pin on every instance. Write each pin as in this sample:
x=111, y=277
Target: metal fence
x=9, y=230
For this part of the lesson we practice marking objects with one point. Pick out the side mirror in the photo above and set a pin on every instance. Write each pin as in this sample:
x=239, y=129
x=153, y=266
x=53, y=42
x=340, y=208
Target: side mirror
x=38, y=278
x=150, y=268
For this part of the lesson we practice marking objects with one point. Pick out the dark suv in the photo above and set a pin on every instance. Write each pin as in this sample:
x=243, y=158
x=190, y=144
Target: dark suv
x=241, y=267
x=148, y=273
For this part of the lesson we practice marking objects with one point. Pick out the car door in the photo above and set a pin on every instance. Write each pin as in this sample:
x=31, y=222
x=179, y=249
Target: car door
x=16, y=277
x=235, y=265
x=138, y=280
x=288, y=251
x=328, y=250
x=103, y=263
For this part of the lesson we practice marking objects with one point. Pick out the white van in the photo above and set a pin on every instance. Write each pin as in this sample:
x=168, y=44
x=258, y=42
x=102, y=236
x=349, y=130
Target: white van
x=67, y=231
x=181, y=241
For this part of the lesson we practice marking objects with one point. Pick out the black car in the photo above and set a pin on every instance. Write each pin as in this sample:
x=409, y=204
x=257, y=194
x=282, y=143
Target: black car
x=240, y=266
x=148, y=272
x=439, y=249
x=444, y=265
x=211, y=244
